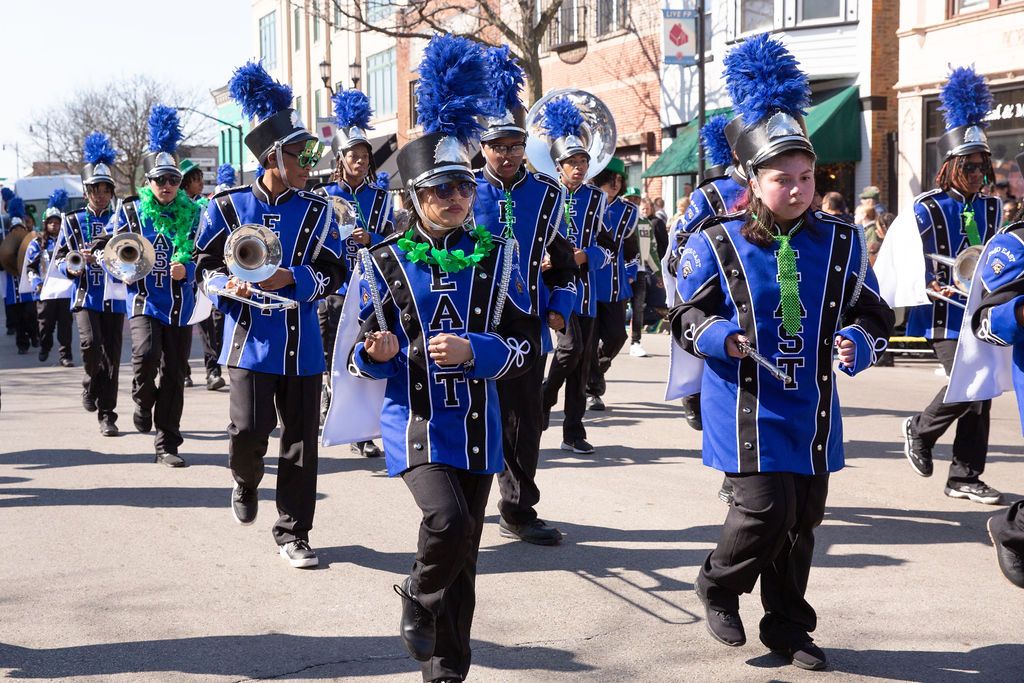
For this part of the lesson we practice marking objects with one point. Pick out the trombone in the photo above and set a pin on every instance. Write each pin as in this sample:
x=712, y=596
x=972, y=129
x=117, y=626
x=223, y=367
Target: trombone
x=962, y=267
x=128, y=257
x=253, y=253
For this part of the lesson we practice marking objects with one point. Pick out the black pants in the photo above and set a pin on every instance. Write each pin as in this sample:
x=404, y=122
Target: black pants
x=258, y=399
x=25, y=327
x=609, y=338
x=521, y=411
x=211, y=332
x=55, y=314
x=570, y=365
x=970, y=445
x=444, y=572
x=9, y=317
x=100, y=335
x=160, y=351
x=769, y=535
x=329, y=314
x=638, y=304
x=1008, y=529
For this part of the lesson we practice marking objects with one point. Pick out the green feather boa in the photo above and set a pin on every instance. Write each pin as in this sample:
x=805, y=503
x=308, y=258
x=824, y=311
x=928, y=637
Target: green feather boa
x=175, y=221
x=448, y=261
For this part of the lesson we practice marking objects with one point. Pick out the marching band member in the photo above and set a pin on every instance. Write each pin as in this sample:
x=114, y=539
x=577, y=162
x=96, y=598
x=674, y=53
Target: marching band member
x=274, y=357
x=160, y=305
x=52, y=313
x=445, y=313
x=354, y=181
x=793, y=285
x=612, y=282
x=20, y=302
x=582, y=225
x=100, y=319
x=525, y=207
x=999, y=320
x=225, y=178
x=192, y=185
x=950, y=218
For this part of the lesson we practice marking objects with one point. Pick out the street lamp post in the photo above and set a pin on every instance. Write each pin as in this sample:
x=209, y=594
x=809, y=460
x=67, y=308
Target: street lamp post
x=355, y=72
x=236, y=126
x=325, y=76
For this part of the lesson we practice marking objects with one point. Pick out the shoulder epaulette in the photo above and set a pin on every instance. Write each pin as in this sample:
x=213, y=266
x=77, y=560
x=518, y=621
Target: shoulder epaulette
x=306, y=194
x=708, y=181
x=835, y=220
x=547, y=180
x=229, y=190
x=925, y=195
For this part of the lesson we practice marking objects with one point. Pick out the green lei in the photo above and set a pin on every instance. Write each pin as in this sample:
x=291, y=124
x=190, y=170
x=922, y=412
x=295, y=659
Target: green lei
x=174, y=221
x=449, y=262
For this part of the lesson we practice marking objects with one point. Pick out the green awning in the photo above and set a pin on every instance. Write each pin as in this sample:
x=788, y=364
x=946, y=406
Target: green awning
x=833, y=121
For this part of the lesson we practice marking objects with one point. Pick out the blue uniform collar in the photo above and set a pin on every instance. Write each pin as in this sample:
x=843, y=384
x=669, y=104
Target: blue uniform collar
x=490, y=177
x=261, y=194
x=447, y=241
x=343, y=184
x=960, y=196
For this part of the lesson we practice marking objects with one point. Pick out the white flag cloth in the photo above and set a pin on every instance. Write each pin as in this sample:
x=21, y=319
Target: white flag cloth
x=202, y=310
x=900, y=264
x=356, y=402
x=25, y=283
x=685, y=372
x=980, y=370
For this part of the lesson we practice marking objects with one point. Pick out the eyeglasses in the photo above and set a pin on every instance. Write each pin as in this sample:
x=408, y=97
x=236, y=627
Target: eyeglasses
x=971, y=167
x=167, y=180
x=310, y=154
x=465, y=188
x=509, y=150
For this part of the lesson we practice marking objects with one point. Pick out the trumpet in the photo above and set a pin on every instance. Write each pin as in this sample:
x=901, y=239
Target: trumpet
x=75, y=263
x=252, y=254
x=962, y=268
x=129, y=257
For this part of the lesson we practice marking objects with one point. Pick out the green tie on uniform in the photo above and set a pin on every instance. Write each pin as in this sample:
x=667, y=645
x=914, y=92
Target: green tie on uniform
x=971, y=225
x=789, y=287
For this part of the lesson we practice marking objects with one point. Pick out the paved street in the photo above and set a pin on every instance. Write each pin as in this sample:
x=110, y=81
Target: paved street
x=118, y=569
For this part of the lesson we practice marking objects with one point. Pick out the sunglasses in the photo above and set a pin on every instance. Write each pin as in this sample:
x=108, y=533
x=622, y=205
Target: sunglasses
x=310, y=154
x=971, y=167
x=167, y=180
x=466, y=189
x=506, y=150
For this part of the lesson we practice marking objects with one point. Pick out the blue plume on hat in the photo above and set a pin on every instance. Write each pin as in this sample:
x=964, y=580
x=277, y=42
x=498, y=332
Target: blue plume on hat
x=452, y=87
x=16, y=207
x=225, y=174
x=58, y=199
x=164, y=129
x=6, y=194
x=561, y=118
x=504, y=80
x=966, y=99
x=258, y=94
x=383, y=180
x=762, y=77
x=712, y=138
x=98, y=150
x=260, y=171
x=352, y=108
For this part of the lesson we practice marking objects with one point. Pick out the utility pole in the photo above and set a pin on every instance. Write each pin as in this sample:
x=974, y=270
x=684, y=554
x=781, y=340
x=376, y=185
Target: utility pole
x=701, y=100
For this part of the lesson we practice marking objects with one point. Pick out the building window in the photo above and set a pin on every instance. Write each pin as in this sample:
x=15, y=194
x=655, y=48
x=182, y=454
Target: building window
x=756, y=16
x=382, y=82
x=316, y=21
x=298, y=108
x=378, y=10
x=339, y=86
x=268, y=40
x=297, y=23
x=968, y=6
x=819, y=10
x=337, y=14
x=316, y=105
x=414, y=102
x=611, y=16
x=569, y=25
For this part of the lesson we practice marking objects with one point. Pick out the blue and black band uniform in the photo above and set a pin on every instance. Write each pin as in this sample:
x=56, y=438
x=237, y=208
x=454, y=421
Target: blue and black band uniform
x=275, y=358
x=535, y=214
x=53, y=314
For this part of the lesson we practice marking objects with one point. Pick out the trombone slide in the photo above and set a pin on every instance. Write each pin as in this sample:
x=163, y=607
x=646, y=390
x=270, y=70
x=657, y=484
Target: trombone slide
x=272, y=302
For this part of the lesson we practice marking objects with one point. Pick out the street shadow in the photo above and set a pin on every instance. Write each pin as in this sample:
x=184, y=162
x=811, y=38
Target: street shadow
x=942, y=451
x=176, y=497
x=613, y=456
x=877, y=411
x=43, y=458
x=992, y=663
x=268, y=655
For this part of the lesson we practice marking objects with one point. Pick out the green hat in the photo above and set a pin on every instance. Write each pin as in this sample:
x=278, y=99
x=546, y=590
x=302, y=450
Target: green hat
x=631, y=191
x=186, y=166
x=615, y=165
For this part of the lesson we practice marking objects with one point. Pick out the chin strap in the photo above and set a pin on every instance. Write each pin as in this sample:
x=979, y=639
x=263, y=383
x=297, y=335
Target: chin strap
x=278, y=150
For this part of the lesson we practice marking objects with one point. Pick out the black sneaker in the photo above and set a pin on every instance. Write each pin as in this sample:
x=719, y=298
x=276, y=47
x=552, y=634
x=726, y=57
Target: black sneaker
x=805, y=656
x=691, y=410
x=43, y=355
x=595, y=403
x=536, y=532
x=189, y=383
x=1011, y=564
x=417, y=627
x=66, y=363
x=919, y=455
x=976, y=491
x=725, y=626
x=171, y=460
x=244, y=504
x=299, y=554
x=367, y=449
x=581, y=446
x=143, y=420
x=88, y=402
x=108, y=427
x=214, y=382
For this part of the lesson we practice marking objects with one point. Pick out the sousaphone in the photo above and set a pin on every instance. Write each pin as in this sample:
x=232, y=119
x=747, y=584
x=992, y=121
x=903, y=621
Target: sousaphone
x=597, y=133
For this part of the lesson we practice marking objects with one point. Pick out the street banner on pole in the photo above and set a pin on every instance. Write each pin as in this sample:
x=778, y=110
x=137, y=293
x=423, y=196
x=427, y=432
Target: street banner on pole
x=679, y=36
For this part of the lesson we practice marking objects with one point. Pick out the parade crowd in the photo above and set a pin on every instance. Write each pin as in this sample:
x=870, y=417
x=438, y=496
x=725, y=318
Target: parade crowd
x=450, y=313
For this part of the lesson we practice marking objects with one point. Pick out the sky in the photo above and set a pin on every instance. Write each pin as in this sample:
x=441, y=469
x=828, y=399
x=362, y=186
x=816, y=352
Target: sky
x=51, y=48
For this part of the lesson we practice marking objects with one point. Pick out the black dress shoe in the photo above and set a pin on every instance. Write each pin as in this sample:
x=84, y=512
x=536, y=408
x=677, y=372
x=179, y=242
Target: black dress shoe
x=417, y=628
x=188, y=383
x=43, y=355
x=244, y=504
x=367, y=449
x=143, y=420
x=725, y=626
x=88, y=402
x=536, y=532
x=66, y=363
x=108, y=428
x=171, y=460
x=691, y=409
x=1011, y=564
x=595, y=403
x=214, y=382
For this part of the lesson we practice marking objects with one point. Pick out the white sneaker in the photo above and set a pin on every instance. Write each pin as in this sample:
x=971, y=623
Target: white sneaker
x=637, y=351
